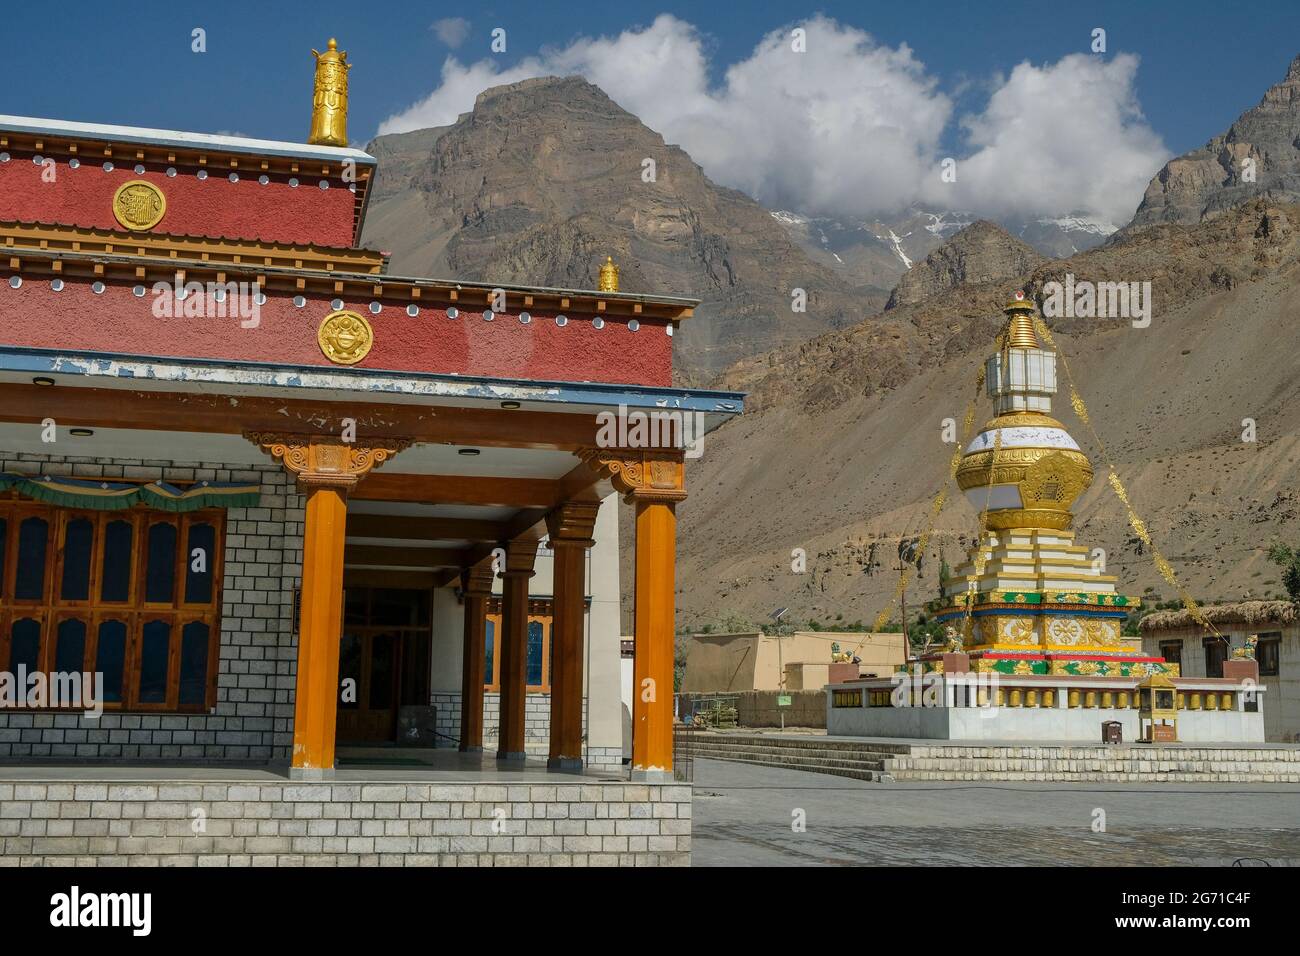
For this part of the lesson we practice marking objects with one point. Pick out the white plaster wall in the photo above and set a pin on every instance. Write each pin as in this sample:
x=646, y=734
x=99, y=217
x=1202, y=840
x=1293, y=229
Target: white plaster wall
x=1282, y=716
x=447, y=650
x=1074, y=724
x=603, y=670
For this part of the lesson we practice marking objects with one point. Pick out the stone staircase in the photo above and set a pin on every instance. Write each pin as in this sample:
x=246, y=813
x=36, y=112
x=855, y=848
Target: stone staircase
x=886, y=761
x=811, y=752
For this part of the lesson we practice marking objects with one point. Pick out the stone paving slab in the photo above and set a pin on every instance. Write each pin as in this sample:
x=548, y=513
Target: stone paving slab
x=743, y=816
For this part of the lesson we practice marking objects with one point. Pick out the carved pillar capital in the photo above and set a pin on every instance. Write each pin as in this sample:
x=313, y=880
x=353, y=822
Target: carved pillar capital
x=477, y=581
x=572, y=524
x=325, y=461
x=521, y=555
x=640, y=474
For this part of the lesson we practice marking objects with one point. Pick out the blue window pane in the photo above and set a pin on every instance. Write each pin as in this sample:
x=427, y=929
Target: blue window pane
x=194, y=663
x=534, y=653
x=160, y=579
x=489, y=644
x=198, y=584
x=70, y=647
x=78, y=540
x=30, y=582
x=110, y=658
x=115, y=573
x=154, y=645
x=24, y=646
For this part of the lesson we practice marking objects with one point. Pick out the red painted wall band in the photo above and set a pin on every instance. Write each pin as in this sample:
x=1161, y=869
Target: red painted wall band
x=214, y=207
x=117, y=321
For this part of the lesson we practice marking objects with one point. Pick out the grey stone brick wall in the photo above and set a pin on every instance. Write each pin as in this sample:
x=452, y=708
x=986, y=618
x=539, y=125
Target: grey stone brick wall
x=253, y=719
x=256, y=823
x=537, y=725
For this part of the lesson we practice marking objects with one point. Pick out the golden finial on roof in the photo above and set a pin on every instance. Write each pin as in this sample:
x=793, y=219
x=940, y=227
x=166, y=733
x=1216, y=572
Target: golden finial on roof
x=329, y=101
x=608, y=276
x=1020, y=331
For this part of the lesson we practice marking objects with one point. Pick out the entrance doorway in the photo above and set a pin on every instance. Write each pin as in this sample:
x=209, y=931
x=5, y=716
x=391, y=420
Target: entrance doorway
x=383, y=661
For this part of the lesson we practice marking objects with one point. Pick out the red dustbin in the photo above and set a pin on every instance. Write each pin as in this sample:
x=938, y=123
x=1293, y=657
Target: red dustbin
x=1112, y=732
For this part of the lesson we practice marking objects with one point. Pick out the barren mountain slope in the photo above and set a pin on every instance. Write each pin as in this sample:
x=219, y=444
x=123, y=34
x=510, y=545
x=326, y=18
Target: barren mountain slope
x=1206, y=181
x=840, y=447
x=545, y=178
x=982, y=252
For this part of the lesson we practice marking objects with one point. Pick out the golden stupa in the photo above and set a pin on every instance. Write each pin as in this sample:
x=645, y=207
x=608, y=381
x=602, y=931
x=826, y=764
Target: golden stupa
x=1028, y=599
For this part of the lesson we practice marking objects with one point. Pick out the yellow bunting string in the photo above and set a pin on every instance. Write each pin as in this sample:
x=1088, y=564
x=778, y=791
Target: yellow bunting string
x=1139, y=526
x=968, y=425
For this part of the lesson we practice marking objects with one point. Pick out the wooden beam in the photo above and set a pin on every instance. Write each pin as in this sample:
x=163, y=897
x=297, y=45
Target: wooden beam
x=418, y=527
x=357, y=555
x=215, y=414
x=458, y=489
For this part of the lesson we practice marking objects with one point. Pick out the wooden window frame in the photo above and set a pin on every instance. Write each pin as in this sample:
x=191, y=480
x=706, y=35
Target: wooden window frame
x=1274, y=640
x=1220, y=647
x=1176, y=647
x=539, y=611
x=135, y=611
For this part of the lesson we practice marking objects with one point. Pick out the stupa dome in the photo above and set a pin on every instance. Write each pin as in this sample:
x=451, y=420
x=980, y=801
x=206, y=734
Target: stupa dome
x=1039, y=469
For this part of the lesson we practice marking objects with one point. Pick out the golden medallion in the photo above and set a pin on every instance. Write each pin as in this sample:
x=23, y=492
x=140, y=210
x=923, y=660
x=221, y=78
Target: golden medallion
x=345, y=337
x=138, y=205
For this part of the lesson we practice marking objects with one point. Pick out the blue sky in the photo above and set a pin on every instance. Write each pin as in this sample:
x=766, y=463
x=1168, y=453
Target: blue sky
x=1198, y=64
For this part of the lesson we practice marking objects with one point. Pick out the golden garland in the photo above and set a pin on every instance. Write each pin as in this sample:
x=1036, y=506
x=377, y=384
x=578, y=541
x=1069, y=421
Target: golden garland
x=981, y=559
x=905, y=575
x=1139, y=526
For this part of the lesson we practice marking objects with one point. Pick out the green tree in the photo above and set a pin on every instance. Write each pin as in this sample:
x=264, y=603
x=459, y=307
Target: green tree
x=1288, y=559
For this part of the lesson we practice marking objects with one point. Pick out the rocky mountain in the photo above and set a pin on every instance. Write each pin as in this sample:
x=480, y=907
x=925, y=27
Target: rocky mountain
x=982, y=252
x=880, y=251
x=546, y=177
x=1258, y=157
x=840, y=451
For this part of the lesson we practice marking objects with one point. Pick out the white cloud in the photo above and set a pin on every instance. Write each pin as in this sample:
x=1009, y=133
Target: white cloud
x=1064, y=137
x=452, y=31
x=853, y=127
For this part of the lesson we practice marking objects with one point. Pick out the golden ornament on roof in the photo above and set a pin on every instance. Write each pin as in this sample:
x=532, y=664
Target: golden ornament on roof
x=138, y=205
x=608, y=276
x=329, y=102
x=345, y=337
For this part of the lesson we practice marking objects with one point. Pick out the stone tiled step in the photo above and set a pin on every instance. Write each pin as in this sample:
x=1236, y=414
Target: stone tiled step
x=803, y=759
x=838, y=770
x=804, y=742
x=879, y=760
x=858, y=763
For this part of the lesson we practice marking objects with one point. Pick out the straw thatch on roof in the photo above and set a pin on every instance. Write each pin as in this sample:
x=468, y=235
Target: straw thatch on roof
x=1244, y=613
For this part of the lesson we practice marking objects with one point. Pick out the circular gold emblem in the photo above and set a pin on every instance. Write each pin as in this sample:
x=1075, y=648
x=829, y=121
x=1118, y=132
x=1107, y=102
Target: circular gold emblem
x=139, y=205
x=345, y=337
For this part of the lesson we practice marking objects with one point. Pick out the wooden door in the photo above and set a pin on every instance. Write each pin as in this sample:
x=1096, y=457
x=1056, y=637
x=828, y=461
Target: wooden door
x=370, y=665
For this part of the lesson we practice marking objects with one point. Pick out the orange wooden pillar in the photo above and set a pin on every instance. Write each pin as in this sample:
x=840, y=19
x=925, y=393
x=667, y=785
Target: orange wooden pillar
x=569, y=528
x=652, y=681
x=476, y=583
x=519, y=560
x=316, y=697
x=326, y=469
x=654, y=480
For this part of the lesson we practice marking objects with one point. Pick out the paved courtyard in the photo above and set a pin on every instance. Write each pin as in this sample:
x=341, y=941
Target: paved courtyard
x=744, y=816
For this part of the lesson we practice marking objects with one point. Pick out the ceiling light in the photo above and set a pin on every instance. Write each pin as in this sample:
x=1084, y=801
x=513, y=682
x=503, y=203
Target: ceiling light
x=80, y=432
x=467, y=451
x=510, y=405
x=42, y=380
